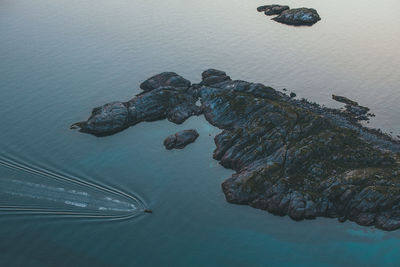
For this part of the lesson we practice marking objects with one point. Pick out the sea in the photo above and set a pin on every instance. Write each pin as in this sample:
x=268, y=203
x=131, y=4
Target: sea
x=73, y=199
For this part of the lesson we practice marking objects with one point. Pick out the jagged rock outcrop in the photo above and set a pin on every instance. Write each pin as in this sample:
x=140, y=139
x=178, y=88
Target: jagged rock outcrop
x=180, y=139
x=353, y=110
x=291, y=157
x=298, y=16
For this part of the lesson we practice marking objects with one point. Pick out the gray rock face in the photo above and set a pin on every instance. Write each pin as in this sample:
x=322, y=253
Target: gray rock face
x=298, y=16
x=291, y=157
x=272, y=9
x=180, y=139
x=165, y=79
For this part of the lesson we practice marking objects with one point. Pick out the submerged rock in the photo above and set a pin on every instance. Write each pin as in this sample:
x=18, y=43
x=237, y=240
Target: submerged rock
x=272, y=9
x=298, y=16
x=291, y=157
x=180, y=139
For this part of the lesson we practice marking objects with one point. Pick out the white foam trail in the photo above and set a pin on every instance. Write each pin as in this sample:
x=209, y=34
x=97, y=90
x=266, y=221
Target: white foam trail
x=76, y=204
x=52, y=175
x=62, y=195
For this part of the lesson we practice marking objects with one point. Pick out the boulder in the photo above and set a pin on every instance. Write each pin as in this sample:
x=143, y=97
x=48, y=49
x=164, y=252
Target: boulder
x=212, y=77
x=165, y=79
x=180, y=139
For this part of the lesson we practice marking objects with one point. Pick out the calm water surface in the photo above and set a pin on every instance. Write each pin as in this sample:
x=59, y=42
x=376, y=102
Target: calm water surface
x=59, y=58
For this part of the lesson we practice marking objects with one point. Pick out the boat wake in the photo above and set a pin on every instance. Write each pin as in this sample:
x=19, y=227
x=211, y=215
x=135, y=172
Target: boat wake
x=28, y=190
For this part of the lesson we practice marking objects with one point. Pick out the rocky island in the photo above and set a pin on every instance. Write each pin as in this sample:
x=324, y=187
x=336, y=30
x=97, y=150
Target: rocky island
x=180, y=139
x=291, y=157
x=294, y=16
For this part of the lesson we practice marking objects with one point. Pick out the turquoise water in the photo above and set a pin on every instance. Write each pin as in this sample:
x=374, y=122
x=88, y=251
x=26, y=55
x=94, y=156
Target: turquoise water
x=59, y=59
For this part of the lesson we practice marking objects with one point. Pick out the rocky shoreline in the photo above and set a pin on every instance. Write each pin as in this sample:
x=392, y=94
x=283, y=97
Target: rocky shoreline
x=291, y=157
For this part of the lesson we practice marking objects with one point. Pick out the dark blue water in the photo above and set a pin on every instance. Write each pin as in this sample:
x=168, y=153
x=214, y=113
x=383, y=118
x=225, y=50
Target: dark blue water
x=59, y=59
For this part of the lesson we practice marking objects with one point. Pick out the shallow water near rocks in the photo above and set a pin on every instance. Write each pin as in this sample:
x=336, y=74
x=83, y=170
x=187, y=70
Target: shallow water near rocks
x=59, y=59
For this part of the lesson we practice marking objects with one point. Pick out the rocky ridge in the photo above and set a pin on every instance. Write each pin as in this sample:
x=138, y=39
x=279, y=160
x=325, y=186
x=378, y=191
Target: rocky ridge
x=291, y=157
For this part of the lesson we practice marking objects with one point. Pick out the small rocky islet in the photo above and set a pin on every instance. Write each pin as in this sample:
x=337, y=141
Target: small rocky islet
x=295, y=16
x=181, y=139
x=290, y=156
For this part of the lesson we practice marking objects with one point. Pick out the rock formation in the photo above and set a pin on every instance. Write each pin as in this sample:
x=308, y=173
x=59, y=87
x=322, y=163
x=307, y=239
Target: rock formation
x=291, y=157
x=298, y=16
x=180, y=139
x=272, y=9
x=353, y=109
x=294, y=16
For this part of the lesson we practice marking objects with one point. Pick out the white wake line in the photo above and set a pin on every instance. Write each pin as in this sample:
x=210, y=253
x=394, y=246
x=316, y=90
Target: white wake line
x=73, y=180
x=50, y=188
x=82, y=203
x=24, y=210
